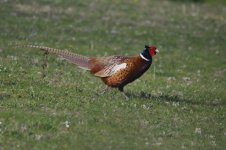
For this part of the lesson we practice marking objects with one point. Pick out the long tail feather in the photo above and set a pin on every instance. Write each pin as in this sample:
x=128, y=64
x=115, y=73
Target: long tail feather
x=81, y=61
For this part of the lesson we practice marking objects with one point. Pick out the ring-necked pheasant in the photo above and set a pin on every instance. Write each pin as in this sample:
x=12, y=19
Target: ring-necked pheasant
x=115, y=71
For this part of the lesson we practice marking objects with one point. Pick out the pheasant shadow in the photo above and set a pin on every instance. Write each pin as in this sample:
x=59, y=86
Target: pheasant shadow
x=170, y=98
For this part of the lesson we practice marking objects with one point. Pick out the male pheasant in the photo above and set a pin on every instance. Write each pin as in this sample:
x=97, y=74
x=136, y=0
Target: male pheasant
x=115, y=71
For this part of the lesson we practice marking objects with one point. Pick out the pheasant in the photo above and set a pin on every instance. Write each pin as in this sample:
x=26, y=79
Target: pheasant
x=115, y=71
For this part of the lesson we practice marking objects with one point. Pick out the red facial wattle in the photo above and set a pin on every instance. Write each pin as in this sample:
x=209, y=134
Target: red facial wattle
x=152, y=51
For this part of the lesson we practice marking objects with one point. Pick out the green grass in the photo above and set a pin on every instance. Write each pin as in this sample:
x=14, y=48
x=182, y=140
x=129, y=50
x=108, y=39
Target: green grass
x=180, y=103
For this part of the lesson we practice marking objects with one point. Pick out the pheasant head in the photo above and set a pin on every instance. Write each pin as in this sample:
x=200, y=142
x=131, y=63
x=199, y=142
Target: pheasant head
x=148, y=52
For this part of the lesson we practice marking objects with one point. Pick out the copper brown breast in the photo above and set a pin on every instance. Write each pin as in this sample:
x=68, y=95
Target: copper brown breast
x=135, y=67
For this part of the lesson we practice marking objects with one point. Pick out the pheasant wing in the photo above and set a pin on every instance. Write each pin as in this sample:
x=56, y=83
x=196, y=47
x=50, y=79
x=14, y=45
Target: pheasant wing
x=110, y=70
x=107, y=66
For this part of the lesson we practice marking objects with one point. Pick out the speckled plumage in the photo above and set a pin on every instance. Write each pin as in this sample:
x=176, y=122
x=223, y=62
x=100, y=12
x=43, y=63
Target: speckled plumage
x=136, y=66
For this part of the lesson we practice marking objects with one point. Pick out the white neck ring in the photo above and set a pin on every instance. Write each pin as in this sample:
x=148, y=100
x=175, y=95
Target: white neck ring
x=143, y=57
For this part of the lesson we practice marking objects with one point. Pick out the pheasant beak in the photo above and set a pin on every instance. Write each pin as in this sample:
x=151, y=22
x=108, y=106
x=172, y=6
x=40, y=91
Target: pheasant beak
x=157, y=51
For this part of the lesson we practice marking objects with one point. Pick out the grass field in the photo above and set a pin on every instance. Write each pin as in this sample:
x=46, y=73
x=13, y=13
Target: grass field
x=180, y=103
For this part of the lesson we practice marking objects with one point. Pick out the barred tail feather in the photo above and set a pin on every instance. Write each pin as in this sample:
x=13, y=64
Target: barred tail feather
x=81, y=61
